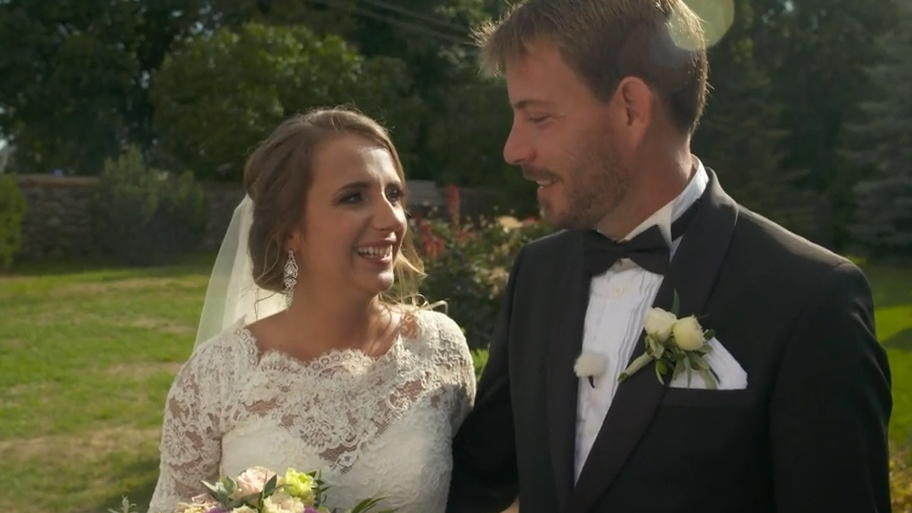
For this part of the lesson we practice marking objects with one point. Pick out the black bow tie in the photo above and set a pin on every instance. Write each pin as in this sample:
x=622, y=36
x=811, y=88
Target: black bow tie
x=648, y=249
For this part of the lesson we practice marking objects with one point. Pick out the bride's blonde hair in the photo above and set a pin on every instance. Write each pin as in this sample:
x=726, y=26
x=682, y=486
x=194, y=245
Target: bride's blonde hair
x=277, y=177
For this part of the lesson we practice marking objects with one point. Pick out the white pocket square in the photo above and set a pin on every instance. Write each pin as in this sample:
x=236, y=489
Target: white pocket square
x=731, y=375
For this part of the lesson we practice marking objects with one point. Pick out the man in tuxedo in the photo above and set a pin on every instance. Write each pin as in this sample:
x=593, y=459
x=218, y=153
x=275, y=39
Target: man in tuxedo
x=606, y=95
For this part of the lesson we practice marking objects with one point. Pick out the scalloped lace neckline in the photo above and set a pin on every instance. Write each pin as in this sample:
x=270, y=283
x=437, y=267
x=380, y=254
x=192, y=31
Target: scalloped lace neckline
x=353, y=357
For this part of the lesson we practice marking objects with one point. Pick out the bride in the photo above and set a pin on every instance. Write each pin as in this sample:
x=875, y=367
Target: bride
x=346, y=380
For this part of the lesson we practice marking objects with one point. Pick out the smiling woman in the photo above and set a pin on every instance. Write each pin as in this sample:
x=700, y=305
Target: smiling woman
x=354, y=217
x=345, y=380
x=309, y=160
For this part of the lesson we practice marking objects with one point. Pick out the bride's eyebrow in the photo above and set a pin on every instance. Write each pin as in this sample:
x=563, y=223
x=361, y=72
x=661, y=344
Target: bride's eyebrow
x=354, y=186
x=361, y=185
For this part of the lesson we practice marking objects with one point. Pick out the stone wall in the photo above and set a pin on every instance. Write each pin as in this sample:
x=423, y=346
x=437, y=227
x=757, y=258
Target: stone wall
x=57, y=222
x=221, y=199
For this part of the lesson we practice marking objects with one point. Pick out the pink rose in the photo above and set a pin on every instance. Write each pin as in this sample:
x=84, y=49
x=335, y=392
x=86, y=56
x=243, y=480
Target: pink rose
x=204, y=501
x=252, y=481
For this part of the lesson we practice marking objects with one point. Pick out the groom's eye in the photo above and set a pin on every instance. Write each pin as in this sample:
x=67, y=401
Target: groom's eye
x=538, y=118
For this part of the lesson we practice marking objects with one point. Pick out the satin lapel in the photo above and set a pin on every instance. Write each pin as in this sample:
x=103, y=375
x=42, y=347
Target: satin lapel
x=564, y=344
x=697, y=262
x=692, y=274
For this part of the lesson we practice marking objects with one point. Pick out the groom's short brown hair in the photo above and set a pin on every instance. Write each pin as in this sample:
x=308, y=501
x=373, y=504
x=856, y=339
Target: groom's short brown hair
x=658, y=41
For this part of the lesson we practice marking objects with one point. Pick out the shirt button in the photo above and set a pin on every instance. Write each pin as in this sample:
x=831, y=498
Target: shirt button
x=619, y=291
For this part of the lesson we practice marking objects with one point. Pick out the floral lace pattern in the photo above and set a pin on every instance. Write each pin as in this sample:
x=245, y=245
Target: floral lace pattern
x=373, y=426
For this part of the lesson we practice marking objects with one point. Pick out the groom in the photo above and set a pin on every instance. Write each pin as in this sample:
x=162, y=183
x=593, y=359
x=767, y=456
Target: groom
x=606, y=95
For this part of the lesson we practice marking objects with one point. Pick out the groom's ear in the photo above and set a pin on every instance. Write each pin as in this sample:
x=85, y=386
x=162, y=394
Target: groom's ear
x=636, y=103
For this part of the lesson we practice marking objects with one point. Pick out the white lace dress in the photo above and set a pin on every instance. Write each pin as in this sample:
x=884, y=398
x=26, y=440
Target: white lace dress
x=373, y=426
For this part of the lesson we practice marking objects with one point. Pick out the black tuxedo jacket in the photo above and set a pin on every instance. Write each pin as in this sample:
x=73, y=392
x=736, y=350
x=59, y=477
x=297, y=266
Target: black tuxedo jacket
x=808, y=434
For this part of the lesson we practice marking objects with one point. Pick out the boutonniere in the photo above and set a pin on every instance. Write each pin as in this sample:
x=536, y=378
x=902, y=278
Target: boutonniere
x=589, y=365
x=676, y=345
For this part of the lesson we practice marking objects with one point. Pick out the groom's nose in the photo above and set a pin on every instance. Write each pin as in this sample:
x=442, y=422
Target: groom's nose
x=517, y=150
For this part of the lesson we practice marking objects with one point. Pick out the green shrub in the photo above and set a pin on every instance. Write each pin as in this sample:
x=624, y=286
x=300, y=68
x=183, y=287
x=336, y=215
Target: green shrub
x=468, y=268
x=145, y=216
x=12, y=207
x=900, y=481
x=479, y=360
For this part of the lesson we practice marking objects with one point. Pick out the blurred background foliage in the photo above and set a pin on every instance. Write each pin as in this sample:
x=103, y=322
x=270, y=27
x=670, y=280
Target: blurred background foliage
x=808, y=120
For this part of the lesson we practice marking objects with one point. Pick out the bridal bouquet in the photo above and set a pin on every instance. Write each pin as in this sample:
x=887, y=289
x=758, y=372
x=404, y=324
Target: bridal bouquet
x=260, y=490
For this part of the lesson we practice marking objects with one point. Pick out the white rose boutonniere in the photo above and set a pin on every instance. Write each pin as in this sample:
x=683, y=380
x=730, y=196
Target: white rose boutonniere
x=688, y=334
x=658, y=323
x=675, y=344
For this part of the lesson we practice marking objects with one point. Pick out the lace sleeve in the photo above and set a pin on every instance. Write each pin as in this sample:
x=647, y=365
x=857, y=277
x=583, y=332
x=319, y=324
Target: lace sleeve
x=191, y=432
x=453, y=343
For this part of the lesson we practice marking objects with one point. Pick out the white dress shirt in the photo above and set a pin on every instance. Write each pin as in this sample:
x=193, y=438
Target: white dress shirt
x=618, y=301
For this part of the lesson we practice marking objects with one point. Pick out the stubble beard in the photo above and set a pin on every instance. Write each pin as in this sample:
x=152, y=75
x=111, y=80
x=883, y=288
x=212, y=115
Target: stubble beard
x=598, y=186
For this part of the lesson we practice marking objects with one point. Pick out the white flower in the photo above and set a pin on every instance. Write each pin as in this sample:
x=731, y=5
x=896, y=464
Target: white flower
x=688, y=334
x=590, y=365
x=252, y=481
x=658, y=323
x=244, y=509
x=281, y=502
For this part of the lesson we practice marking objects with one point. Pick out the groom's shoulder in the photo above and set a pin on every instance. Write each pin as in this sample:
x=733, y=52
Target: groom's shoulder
x=767, y=243
x=552, y=247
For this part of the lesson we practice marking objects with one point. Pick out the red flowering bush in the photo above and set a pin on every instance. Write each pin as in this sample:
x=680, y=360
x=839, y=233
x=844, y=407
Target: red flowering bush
x=467, y=266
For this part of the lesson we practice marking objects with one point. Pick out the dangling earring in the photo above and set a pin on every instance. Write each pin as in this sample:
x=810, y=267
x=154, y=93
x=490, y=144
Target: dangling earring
x=290, y=277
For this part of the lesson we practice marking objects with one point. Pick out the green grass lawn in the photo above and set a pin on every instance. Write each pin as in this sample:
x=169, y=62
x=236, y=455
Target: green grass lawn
x=87, y=356
x=892, y=287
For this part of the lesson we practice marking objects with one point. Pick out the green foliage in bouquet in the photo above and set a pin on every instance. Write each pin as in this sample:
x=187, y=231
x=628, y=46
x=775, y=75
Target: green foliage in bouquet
x=467, y=266
x=12, y=207
x=259, y=490
x=145, y=216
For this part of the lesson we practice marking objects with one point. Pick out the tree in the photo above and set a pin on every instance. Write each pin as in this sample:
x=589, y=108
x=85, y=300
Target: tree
x=465, y=143
x=816, y=51
x=433, y=38
x=219, y=94
x=883, y=145
x=742, y=135
x=74, y=74
x=65, y=78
